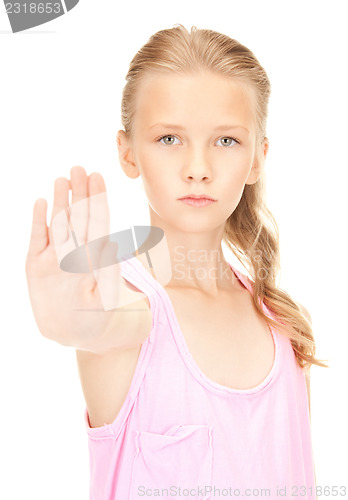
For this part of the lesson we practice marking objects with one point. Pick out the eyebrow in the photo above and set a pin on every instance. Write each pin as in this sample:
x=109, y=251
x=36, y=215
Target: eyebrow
x=179, y=127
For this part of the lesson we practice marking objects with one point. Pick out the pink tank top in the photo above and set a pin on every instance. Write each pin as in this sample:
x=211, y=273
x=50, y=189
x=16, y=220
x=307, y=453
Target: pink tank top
x=180, y=434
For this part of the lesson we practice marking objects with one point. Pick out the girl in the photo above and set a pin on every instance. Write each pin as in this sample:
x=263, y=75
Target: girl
x=195, y=385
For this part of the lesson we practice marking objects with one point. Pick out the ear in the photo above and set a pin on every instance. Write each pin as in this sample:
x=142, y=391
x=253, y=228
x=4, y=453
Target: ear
x=125, y=154
x=259, y=160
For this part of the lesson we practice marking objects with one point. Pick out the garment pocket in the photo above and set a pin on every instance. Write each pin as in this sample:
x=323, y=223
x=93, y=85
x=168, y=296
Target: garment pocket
x=182, y=458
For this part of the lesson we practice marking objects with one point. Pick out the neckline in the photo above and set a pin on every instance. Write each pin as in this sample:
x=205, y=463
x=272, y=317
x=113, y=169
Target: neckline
x=186, y=354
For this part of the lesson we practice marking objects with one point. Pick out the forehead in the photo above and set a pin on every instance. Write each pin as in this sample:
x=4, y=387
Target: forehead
x=193, y=98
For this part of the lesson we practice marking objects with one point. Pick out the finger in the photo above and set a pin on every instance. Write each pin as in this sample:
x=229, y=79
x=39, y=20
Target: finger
x=39, y=233
x=61, y=196
x=59, y=227
x=99, y=213
x=79, y=207
x=96, y=184
x=98, y=224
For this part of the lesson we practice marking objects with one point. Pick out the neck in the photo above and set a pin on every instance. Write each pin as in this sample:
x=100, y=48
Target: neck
x=189, y=260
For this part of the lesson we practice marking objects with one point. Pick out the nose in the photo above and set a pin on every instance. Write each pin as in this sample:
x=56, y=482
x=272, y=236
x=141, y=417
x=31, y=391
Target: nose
x=197, y=166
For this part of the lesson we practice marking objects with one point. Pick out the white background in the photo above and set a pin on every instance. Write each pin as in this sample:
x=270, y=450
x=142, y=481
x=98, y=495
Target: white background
x=60, y=93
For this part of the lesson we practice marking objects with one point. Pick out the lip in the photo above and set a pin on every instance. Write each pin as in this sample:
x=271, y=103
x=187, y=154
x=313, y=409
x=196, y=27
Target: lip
x=197, y=202
x=197, y=197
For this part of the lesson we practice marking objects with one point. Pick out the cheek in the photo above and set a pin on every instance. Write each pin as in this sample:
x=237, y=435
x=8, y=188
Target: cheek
x=152, y=174
x=156, y=185
x=232, y=184
x=232, y=194
x=235, y=173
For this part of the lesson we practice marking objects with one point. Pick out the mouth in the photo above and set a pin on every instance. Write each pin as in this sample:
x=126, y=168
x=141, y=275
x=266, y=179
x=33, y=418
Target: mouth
x=198, y=201
x=198, y=197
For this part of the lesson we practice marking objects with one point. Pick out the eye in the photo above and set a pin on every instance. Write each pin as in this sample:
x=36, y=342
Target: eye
x=165, y=137
x=228, y=139
x=228, y=144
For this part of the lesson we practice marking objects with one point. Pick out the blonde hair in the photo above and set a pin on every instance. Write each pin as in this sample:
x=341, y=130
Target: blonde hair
x=251, y=231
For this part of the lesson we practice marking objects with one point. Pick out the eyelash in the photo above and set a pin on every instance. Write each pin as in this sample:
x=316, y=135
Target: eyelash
x=224, y=137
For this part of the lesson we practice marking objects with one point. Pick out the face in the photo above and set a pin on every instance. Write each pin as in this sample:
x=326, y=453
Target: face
x=207, y=147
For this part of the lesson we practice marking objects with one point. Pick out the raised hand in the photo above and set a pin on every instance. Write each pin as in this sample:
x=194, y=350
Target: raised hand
x=73, y=308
